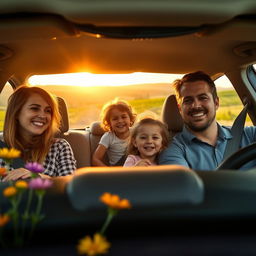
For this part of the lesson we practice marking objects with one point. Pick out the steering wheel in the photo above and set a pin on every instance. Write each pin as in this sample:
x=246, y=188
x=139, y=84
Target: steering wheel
x=239, y=158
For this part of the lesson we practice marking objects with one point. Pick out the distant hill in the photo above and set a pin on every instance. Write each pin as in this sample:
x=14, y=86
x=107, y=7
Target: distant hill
x=75, y=95
x=88, y=95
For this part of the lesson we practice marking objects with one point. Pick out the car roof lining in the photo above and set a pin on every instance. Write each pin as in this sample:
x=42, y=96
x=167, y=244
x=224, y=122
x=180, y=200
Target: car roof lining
x=133, y=12
x=74, y=45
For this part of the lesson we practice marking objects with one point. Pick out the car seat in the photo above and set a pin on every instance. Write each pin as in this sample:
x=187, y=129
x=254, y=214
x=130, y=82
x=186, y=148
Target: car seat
x=78, y=140
x=171, y=116
x=96, y=131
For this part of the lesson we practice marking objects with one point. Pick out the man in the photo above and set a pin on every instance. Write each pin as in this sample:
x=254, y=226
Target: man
x=201, y=144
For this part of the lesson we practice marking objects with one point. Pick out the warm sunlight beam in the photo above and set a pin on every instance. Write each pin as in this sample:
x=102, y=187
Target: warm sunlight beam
x=88, y=79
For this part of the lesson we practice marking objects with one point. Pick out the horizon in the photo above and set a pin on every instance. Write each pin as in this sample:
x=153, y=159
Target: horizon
x=111, y=80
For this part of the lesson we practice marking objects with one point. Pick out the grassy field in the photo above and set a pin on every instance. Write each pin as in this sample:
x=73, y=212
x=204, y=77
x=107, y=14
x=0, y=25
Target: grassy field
x=230, y=107
x=85, y=114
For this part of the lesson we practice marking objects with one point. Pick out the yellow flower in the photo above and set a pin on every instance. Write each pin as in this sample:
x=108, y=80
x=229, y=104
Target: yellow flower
x=4, y=219
x=91, y=247
x=115, y=202
x=21, y=184
x=2, y=171
x=9, y=153
x=10, y=191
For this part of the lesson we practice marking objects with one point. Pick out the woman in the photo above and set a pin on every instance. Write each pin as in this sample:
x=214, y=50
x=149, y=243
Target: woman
x=31, y=122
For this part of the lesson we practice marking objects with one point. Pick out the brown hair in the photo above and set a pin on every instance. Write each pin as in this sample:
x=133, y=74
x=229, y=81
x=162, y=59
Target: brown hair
x=193, y=77
x=39, y=148
x=121, y=105
x=135, y=130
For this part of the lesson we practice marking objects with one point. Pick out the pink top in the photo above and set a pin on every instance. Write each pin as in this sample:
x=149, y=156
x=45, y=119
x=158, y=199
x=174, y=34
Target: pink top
x=132, y=160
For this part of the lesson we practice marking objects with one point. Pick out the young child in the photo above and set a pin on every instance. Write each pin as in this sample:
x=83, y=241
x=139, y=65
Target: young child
x=148, y=138
x=117, y=117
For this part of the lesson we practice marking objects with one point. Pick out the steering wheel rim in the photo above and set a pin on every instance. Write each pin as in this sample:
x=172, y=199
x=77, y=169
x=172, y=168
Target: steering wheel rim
x=239, y=158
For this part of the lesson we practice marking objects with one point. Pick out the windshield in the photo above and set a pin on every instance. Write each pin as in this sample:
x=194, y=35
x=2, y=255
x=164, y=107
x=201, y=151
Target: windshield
x=86, y=93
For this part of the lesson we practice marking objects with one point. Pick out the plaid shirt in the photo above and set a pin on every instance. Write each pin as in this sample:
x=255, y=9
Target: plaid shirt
x=59, y=161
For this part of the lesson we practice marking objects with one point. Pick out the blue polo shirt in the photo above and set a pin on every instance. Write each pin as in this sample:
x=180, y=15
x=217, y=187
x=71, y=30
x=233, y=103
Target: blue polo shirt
x=187, y=150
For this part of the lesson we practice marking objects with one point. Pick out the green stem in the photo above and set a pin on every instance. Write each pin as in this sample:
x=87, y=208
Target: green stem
x=15, y=216
x=111, y=214
x=40, y=203
x=26, y=212
x=37, y=216
x=106, y=223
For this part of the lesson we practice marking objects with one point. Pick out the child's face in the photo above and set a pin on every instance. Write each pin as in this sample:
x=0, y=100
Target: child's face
x=119, y=121
x=148, y=140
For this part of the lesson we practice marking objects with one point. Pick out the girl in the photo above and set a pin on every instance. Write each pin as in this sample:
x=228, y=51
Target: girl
x=148, y=138
x=117, y=117
x=31, y=122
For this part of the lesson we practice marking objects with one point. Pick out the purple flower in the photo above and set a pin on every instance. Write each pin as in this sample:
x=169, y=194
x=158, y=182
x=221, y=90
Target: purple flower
x=39, y=183
x=34, y=167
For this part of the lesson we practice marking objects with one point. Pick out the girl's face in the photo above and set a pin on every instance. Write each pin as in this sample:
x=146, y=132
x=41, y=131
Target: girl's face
x=35, y=116
x=120, y=121
x=148, y=140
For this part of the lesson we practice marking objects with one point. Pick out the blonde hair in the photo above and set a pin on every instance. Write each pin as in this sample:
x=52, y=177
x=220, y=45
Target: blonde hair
x=38, y=148
x=121, y=105
x=136, y=129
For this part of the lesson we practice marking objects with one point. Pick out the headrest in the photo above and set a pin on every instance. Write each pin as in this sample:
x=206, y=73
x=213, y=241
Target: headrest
x=96, y=129
x=171, y=115
x=64, y=126
x=145, y=187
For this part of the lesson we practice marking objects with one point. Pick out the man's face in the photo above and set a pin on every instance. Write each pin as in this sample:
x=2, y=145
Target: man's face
x=197, y=106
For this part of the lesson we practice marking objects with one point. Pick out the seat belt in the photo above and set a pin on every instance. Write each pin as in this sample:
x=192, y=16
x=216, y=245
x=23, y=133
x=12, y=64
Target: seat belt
x=236, y=132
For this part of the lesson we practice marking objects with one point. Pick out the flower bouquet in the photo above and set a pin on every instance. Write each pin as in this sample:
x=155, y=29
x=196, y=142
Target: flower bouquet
x=22, y=220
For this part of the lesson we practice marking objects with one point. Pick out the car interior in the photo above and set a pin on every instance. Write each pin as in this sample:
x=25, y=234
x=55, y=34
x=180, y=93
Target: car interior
x=174, y=211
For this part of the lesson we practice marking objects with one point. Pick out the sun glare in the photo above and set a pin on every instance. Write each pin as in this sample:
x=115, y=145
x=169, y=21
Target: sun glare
x=89, y=79
x=93, y=80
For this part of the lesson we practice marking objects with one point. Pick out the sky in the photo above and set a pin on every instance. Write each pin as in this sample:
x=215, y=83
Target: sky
x=89, y=79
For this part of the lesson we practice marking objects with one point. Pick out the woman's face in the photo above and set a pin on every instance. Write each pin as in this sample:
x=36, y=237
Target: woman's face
x=35, y=116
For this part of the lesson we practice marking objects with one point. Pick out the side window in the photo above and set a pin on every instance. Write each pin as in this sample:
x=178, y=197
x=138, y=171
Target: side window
x=251, y=74
x=230, y=103
x=4, y=95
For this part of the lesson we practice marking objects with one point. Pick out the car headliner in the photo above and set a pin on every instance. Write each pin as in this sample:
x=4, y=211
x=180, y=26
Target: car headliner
x=45, y=37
